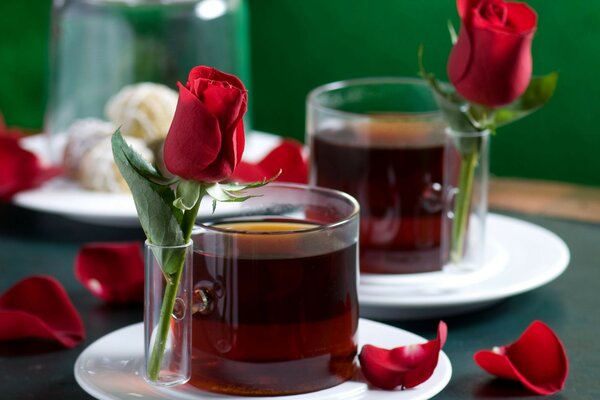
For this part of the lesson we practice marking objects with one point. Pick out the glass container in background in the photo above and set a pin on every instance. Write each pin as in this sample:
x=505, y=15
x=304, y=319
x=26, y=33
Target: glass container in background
x=382, y=141
x=100, y=46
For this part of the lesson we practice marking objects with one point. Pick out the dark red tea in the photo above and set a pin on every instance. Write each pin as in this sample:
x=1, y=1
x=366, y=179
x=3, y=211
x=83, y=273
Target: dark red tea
x=397, y=180
x=281, y=321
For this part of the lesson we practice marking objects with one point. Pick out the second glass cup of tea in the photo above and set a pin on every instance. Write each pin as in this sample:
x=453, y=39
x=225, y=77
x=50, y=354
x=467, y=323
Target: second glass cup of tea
x=275, y=307
x=382, y=141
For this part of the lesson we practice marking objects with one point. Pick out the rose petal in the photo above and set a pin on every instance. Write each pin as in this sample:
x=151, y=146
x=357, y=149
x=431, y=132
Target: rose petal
x=38, y=307
x=213, y=74
x=225, y=96
x=465, y=6
x=20, y=169
x=521, y=17
x=194, y=138
x=114, y=272
x=405, y=366
x=537, y=359
x=223, y=167
x=288, y=157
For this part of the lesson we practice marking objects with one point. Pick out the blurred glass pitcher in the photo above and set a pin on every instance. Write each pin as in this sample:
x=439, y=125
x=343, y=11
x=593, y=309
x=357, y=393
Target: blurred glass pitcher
x=100, y=46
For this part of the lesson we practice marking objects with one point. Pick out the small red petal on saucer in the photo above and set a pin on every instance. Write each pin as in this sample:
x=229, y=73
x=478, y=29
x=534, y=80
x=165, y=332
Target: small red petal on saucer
x=405, y=366
x=20, y=169
x=287, y=157
x=38, y=307
x=537, y=359
x=114, y=272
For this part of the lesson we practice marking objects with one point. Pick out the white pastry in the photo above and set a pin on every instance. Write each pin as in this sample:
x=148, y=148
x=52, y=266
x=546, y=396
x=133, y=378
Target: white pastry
x=143, y=110
x=98, y=171
x=82, y=135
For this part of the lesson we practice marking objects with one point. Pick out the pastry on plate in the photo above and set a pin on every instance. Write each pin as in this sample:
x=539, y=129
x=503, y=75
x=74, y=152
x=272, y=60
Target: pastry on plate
x=88, y=157
x=144, y=110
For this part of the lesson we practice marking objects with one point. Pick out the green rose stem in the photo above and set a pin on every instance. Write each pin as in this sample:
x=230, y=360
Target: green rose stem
x=462, y=206
x=168, y=304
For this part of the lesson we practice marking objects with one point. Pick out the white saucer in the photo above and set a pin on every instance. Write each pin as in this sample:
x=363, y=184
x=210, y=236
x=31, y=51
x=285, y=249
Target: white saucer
x=495, y=260
x=67, y=198
x=534, y=257
x=110, y=368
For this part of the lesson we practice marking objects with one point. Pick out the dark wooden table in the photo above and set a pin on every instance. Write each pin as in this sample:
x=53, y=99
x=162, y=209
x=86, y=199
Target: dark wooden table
x=34, y=243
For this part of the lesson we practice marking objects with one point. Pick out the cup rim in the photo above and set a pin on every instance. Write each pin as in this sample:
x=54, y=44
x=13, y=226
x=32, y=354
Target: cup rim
x=189, y=243
x=312, y=101
x=296, y=186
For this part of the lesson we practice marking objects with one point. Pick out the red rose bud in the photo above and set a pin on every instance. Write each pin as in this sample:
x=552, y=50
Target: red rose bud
x=206, y=138
x=491, y=64
x=114, y=272
x=287, y=157
x=537, y=359
x=405, y=366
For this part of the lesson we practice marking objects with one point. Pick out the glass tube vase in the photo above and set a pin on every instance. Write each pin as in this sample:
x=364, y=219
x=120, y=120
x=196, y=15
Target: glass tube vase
x=466, y=205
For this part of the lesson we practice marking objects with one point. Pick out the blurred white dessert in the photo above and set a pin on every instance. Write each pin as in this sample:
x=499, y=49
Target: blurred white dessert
x=88, y=155
x=144, y=110
x=82, y=135
x=98, y=171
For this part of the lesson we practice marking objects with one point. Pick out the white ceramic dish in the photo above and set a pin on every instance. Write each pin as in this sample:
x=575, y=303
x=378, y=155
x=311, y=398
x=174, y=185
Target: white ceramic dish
x=109, y=369
x=67, y=198
x=535, y=256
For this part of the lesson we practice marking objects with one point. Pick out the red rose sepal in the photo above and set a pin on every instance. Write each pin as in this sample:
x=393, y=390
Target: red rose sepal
x=288, y=157
x=405, y=366
x=114, y=272
x=537, y=359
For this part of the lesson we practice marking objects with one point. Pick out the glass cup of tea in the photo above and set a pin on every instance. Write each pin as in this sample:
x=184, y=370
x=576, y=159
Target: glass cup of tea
x=382, y=141
x=275, y=307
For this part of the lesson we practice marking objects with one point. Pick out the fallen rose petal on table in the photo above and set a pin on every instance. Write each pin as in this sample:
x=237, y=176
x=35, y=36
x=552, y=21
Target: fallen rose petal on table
x=537, y=359
x=287, y=157
x=38, y=307
x=20, y=169
x=114, y=272
x=405, y=366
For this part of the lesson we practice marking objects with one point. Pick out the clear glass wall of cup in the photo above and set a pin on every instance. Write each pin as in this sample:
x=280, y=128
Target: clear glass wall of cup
x=382, y=141
x=275, y=293
x=99, y=46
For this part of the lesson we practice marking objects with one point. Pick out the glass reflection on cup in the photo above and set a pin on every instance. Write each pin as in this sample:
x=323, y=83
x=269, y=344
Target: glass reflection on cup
x=382, y=141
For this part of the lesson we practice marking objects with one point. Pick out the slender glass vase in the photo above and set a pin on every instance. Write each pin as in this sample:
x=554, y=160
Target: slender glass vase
x=167, y=335
x=466, y=183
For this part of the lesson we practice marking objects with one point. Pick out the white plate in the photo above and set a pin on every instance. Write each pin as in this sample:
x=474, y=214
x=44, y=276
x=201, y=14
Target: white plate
x=67, y=198
x=109, y=369
x=495, y=260
x=535, y=256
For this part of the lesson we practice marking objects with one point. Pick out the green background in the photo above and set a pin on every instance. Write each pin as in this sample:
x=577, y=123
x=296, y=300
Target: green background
x=299, y=44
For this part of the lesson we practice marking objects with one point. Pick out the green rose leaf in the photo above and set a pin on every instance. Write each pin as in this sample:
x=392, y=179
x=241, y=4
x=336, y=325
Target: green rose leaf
x=144, y=168
x=539, y=91
x=154, y=203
